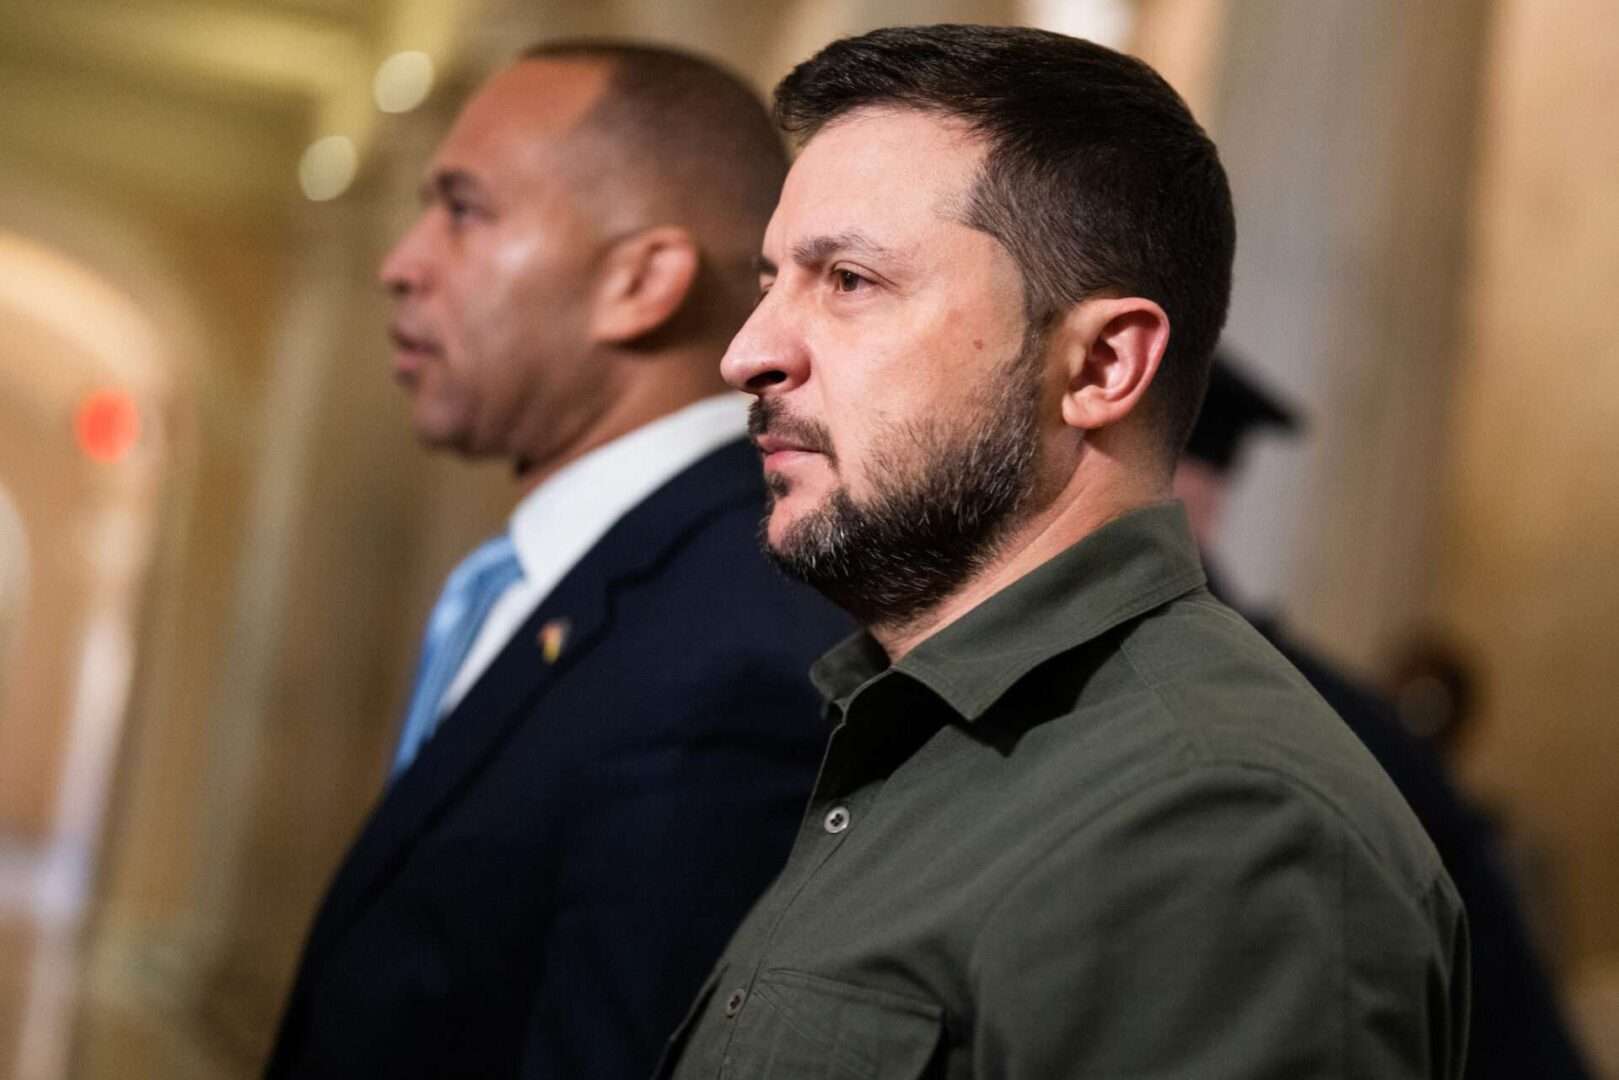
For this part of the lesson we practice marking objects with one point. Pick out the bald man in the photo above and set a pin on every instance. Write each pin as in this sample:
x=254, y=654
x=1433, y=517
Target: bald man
x=612, y=734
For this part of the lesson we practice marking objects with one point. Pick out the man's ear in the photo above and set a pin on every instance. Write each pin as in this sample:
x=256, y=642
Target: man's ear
x=1112, y=347
x=645, y=280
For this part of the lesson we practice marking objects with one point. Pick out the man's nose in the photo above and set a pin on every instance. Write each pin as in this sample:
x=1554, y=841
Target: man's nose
x=404, y=269
x=768, y=355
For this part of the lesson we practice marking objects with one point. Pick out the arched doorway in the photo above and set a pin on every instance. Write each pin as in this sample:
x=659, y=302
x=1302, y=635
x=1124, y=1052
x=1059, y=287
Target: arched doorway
x=84, y=403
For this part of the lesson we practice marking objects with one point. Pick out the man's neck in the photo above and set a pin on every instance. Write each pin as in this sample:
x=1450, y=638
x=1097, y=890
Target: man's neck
x=654, y=388
x=1083, y=506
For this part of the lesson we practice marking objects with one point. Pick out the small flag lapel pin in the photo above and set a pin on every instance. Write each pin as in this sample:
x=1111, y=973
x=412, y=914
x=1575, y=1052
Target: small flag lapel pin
x=553, y=635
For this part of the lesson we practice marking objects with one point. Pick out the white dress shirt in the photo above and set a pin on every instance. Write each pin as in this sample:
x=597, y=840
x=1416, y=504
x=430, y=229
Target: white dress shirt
x=561, y=519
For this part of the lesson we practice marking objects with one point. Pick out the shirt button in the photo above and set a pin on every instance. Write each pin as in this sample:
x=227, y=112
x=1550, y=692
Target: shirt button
x=837, y=819
x=733, y=1004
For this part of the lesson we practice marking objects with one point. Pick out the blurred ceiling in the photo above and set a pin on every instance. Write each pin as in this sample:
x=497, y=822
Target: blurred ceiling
x=206, y=101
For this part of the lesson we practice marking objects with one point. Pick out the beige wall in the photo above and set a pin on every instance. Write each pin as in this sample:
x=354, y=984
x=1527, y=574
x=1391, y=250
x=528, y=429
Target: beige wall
x=1531, y=511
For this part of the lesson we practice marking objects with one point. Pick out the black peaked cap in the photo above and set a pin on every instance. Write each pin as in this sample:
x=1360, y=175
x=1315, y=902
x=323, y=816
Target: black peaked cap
x=1235, y=407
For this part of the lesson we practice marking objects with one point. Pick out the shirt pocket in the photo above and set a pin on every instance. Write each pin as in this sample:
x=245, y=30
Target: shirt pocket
x=798, y=1026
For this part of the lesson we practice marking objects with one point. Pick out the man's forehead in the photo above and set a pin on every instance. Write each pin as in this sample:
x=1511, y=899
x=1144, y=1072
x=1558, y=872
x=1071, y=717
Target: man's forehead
x=525, y=108
x=876, y=176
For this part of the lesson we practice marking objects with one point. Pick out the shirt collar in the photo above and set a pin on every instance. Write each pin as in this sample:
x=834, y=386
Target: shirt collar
x=563, y=517
x=1126, y=568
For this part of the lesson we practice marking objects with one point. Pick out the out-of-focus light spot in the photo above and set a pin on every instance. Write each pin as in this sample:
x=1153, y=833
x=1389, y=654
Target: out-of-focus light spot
x=1106, y=22
x=107, y=425
x=402, y=81
x=328, y=167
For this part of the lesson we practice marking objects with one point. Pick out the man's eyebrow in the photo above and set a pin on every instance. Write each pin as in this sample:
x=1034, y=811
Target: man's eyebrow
x=818, y=250
x=444, y=183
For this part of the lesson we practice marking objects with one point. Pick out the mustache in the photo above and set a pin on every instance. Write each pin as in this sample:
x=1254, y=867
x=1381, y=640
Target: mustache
x=767, y=416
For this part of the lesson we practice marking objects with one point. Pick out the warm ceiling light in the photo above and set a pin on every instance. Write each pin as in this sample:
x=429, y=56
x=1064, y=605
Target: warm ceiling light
x=402, y=81
x=328, y=167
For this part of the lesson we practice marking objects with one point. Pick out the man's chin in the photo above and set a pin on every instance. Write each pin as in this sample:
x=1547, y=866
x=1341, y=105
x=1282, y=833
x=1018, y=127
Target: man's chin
x=775, y=531
x=431, y=437
x=433, y=433
x=787, y=510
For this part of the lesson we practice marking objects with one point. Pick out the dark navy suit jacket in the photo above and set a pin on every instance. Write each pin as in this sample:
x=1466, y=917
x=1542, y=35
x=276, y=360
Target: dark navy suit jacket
x=542, y=891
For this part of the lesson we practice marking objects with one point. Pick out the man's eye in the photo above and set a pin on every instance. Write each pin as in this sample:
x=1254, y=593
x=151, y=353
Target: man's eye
x=849, y=281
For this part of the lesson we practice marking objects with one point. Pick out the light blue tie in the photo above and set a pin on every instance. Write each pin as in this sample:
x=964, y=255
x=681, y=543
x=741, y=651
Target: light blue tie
x=472, y=589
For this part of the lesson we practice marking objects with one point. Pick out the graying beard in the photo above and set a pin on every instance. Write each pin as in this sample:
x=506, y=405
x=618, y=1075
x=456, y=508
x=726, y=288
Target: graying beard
x=919, y=539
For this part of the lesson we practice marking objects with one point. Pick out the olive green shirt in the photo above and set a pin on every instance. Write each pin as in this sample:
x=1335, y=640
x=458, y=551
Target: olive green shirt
x=1097, y=827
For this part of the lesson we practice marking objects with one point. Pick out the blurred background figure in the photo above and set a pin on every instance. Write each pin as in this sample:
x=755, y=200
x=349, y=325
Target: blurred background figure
x=224, y=542
x=1517, y=1025
x=1437, y=690
x=1434, y=684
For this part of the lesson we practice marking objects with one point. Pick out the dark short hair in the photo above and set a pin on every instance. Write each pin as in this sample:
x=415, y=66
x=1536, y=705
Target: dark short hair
x=692, y=123
x=1096, y=177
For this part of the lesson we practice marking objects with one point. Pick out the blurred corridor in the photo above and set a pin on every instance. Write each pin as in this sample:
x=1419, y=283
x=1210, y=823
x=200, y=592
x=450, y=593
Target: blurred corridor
x=218, y=540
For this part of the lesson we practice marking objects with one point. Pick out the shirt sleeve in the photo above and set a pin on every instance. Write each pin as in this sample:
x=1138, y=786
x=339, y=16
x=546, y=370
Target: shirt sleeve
x=1222, y=923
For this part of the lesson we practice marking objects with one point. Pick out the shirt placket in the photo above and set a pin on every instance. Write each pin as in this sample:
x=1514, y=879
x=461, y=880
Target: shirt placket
x=836, y=809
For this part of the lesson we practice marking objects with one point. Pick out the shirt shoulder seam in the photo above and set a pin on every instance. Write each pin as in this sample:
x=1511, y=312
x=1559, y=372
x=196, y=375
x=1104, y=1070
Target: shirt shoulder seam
x=1180, y=772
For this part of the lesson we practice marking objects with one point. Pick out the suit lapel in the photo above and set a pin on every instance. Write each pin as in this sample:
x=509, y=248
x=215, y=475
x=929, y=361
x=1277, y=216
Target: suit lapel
x=563, y=629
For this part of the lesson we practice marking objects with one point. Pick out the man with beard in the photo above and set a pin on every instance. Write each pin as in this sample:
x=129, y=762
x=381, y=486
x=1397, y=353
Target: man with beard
x=611, y=735
x=1076, y=817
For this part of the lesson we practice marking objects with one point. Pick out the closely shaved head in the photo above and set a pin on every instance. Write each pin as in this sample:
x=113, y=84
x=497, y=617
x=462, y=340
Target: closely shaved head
x=682, y=140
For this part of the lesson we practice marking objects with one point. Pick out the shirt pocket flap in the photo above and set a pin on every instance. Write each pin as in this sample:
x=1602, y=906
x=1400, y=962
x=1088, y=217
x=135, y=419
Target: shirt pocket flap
x=801, y=1025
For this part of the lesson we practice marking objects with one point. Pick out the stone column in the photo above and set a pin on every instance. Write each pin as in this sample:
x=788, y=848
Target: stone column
x=1531, y=513
x=1348, y=128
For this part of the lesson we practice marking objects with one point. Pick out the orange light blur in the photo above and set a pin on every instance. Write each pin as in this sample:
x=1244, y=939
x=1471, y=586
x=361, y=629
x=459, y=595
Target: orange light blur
x=107, y=425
